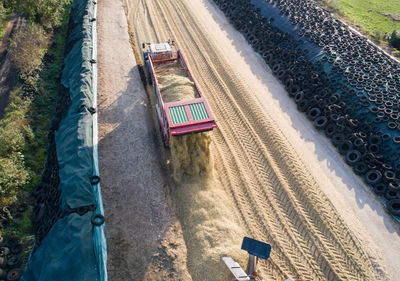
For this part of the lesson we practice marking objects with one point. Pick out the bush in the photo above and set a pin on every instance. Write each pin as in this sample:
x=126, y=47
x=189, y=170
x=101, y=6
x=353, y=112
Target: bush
x=27, y=48
x=13, y=175
x=395, y=39
x=3, y=14
x=11, y=139
x=48, y=13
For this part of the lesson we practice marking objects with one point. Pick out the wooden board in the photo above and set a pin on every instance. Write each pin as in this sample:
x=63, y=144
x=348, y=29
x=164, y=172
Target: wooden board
x=235, y=268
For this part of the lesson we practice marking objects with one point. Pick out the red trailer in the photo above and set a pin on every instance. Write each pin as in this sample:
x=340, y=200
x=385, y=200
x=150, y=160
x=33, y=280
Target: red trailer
x=181, y=109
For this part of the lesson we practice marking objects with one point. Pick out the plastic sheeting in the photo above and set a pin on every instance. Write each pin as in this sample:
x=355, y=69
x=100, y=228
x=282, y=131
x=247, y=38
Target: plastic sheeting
x=74, y=248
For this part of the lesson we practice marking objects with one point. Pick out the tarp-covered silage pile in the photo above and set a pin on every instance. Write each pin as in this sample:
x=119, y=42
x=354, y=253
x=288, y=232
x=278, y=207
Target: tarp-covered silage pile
x=68, y=212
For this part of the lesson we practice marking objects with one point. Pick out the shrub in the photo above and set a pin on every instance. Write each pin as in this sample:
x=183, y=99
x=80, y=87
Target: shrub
x=395, y=39
x=48, y=13
x=27, y=48
x=13, y=175
x=3, y=14
x=11, y=139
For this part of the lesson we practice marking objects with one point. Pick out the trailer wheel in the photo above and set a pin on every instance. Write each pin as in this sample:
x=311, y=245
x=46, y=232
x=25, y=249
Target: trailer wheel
x=148, y=72
x=162, y=137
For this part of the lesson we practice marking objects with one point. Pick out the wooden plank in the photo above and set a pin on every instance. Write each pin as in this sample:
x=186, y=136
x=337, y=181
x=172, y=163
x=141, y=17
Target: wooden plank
x=236, y=270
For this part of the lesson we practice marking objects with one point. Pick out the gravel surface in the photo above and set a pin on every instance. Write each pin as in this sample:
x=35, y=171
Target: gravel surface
x=261, y=157
x=144, y=237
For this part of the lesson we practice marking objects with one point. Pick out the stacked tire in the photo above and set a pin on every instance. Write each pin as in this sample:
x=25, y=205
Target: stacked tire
x=350, y=90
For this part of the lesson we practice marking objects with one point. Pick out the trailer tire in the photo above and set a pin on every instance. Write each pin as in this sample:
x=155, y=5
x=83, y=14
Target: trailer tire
x=394, y=207
x=148, y=72
x=162, y=136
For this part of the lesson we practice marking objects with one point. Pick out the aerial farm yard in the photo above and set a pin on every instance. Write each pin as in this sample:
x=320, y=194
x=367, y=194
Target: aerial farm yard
x=264, y=172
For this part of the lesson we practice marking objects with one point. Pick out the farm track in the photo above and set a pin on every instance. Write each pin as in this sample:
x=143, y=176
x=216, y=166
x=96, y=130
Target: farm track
x=277, y=198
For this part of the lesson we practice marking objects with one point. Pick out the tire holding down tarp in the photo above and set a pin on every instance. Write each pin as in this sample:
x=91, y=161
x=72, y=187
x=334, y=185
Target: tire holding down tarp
x=68, y=245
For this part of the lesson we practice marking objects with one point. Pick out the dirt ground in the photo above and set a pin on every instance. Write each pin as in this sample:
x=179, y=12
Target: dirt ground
x=274, y=177
x=144, y=237
x=8, y=74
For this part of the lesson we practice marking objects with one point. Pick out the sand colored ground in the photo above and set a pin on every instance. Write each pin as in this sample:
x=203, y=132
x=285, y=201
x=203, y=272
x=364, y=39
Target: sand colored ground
x=270, y=182
x=261, y=161
x=174, y=83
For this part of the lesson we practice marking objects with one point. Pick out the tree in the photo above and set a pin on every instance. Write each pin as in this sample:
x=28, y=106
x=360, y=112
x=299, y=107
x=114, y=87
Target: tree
x=47, y=13
x=27, y=48
x=395, y=39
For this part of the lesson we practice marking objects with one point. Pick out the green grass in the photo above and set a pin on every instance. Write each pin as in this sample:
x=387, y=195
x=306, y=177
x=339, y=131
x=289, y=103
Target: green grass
x=368, y=15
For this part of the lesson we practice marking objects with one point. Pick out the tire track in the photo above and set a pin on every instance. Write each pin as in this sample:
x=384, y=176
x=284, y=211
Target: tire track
x=257, y=166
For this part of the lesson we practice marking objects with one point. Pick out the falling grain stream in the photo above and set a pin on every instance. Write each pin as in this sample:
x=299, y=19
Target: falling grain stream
x=258, y=181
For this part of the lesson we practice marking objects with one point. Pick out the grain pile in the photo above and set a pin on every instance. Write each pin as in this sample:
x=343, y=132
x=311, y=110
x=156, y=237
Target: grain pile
x=190, y=156
x=209, y=220
x=210, y=227
x=174, y=83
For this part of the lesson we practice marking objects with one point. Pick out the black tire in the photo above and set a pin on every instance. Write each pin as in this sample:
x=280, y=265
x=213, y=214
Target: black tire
x=320, y=122
x=14, y=274
x=14, y=262
x=3, y=274
x=293, y=90
x=11, y=242
x=380, y=188
x=353, y=156
x=389, y=175
x=394, y=207
x=373, y=177
x=395, y=185
x=338, y=138
x=345, y=146
x=358, y=143
x=303, y=105
x=97, y=219
x=360, y=168
x=162, y=137
x=148, y=76
x=374, y=139
x=330, y=130
x=16, y=249
x=39, y=188
x=95, y=180
x=39, y=213
x=313, y=113
x=390, y=194
x=4, y=251
x=374, y=148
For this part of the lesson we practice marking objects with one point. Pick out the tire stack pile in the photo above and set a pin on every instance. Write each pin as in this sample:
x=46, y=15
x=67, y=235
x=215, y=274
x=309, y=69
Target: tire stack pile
x=350, y=89
x=47, y=196
x=11, y=255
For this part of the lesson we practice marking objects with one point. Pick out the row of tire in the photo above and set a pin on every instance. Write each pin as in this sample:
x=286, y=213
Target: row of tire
x=350, y=91
x=11, y=251
x=10, y=259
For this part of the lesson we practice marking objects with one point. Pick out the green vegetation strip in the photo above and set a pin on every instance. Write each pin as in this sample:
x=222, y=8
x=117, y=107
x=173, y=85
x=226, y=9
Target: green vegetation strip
x=24, y=128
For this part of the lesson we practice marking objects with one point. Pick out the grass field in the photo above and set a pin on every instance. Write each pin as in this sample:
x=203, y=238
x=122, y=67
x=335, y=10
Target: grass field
x=372, y=16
